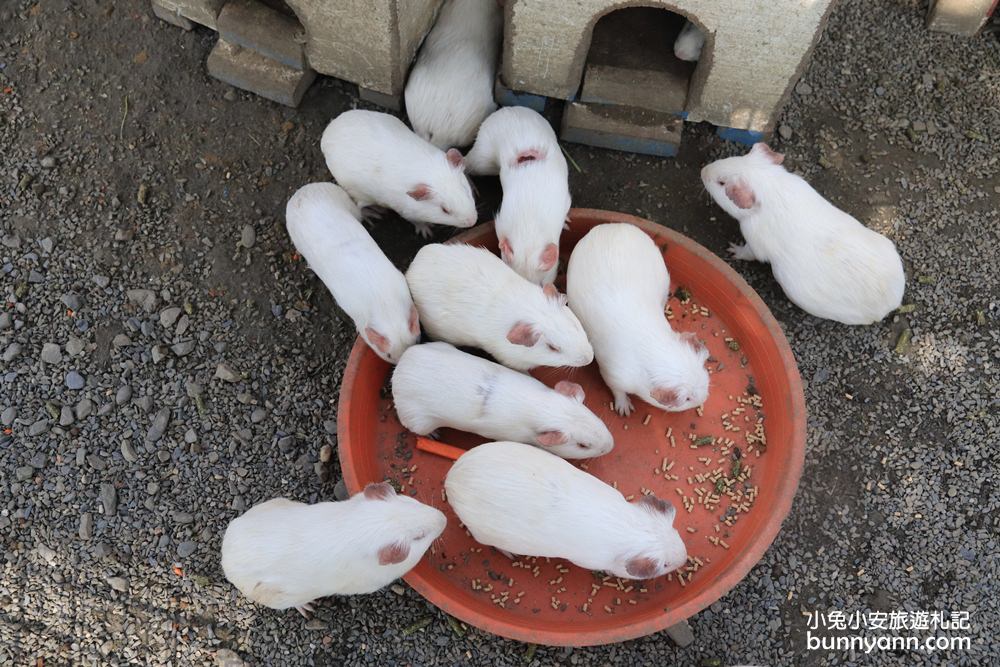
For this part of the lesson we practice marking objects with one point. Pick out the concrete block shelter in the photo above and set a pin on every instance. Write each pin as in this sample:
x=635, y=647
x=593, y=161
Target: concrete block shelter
x=754, y=53
x=367, y=42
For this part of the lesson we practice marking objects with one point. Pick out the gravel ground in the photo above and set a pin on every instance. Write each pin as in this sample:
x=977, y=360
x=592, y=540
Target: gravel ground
x=166, y=364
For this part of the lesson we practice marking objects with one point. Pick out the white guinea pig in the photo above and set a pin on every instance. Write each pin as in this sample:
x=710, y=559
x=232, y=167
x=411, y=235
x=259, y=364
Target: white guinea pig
x=379, y=161
x=283, y=553
x=450, y=89
x=468, y=296
x=519, y=144
x=688, y=44
x=436, y=385
x=323, y=224
x=527, y=502
x=618, y=286
x=827, y=263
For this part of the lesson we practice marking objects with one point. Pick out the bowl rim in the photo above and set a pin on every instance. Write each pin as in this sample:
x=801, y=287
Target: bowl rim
x=726, y=580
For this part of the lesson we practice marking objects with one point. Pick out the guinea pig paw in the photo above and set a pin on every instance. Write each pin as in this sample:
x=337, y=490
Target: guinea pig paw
x=623, y=404
x=741, y=251
x=423, y=229
x=305, y=609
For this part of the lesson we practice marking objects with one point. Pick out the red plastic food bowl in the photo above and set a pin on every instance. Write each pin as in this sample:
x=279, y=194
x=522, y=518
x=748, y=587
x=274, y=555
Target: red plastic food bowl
x=732, y=489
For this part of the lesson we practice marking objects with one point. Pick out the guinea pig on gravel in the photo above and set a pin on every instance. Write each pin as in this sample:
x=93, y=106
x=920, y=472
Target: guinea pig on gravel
x=618, y=285
x=827, y=263
x=520, y=145
x=283, y=553
x=323, y=224
x=524, y=501
x=381, y=162
x=436, y=385
x=468, y=296
x=450, y=89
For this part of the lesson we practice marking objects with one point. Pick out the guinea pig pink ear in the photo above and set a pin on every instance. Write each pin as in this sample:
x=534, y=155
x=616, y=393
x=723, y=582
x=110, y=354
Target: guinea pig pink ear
x=571, y=389
x=506, y=252
x=526, y=156
x=377, y=340
x=393, y=554
x=523, y=333
x=740, y=194
x=664, y=396
x=765, y=151
x=414, y=321
x=420, y=192
x=379, y=491
x=455, y=158
x=551, y=292
x=551, y=438
x=640, y=568
x=549, y=257
x=664, y=507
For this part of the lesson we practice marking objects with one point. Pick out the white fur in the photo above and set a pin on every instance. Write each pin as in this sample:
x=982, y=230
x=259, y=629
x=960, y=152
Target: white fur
x=323, y=224
x=827, y=263
x=450, y=90
x=689, y=43
x=436, y=385
x=536, y=197
x=618, y=285
x=378, y=161
x=468, y=296
x=527, y=502
x=284, y=554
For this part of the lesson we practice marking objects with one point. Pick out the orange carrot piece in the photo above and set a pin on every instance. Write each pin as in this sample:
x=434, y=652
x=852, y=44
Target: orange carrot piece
x=439, y=448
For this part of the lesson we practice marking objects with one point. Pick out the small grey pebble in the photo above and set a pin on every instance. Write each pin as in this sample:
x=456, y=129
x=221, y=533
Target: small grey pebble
x=38, y=461
x=48, y=162
x=66, y=416
x=128, y=452
x=86, y=529
x=330, y=426
x=8, y=415
x=96, y=462
x=23, y=473
x=102, y=550
x=258, y=415
x=74, y=346
x=163, y=455
x=12, y=352
x=248, y=237
x=6, y=321
x=71, y=301
x=168, y=316
x=226, y=374
x=183, y=348
x=84, y=408
x=785, y=131
x=185, y=549
x=109, y=499
x=183, y=517
x=190, y=436
x=74, y=381
x=102, y=281
x=39, y=427
x=124, y=394
x=121, y=340
x=120, y=584
x=51, y=354
x=340, y=490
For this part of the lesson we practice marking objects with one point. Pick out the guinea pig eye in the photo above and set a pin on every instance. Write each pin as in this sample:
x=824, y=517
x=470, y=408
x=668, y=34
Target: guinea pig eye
x=722, y=183
x=445, y=210
x=553, y=348
x=583, y=445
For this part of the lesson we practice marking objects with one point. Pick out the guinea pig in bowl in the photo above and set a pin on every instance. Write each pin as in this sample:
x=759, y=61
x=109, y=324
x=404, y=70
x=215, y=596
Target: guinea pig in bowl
x=728, y=467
